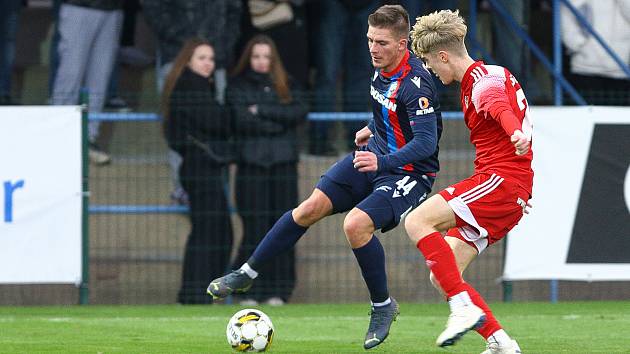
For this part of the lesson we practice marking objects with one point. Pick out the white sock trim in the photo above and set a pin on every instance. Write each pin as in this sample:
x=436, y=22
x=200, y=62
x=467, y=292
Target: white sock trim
x=459, y=300
x=384, y=303
x=500, y=337
x=249, y=271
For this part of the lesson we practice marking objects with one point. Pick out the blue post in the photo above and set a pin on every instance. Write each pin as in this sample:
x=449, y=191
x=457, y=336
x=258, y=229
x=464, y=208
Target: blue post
x=557, y=93
x=557, y=53
x=553, y=291
x=85, y=201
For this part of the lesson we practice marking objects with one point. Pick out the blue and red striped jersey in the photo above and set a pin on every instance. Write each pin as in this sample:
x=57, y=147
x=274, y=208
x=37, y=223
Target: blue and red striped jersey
x=406, y=123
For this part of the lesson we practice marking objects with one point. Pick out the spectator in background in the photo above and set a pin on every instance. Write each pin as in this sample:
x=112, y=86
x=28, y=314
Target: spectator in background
x=267, y=110
x=127, y=54
x=509, y=49
x=9, y=15
x=340, y=47
x=174, y=21
x=198, y=128
x=89, y=31
x=594, y=73
x=284, y=21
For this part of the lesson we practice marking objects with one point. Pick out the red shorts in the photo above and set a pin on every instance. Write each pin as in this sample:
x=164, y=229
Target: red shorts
x=486, y=207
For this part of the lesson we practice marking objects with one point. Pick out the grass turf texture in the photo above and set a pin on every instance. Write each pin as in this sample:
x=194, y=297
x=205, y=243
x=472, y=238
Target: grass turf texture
x=580, y=327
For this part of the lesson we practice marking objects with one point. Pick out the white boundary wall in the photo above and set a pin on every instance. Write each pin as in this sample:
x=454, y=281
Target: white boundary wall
x=40, y=194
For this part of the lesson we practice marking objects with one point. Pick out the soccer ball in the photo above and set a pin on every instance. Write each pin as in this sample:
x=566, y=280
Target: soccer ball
x=250, y=330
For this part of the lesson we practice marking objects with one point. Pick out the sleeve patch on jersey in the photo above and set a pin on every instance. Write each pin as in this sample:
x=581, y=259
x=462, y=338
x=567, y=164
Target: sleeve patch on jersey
x=423, y=103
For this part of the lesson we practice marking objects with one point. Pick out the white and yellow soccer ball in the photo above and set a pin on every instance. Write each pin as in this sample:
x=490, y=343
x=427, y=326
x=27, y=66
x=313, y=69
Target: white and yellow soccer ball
x=250, y=330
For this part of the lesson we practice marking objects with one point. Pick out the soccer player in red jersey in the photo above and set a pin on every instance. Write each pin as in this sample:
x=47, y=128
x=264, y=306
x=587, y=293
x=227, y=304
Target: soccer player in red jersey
x=452, y=227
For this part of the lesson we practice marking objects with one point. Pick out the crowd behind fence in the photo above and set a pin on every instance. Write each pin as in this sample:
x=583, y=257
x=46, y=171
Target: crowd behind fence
x=140, y=215
x=136, y=256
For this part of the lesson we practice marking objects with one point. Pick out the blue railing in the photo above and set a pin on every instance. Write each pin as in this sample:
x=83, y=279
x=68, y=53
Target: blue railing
x=180, y=209
x=596, y=35
x=537, y=52
x=314, y=116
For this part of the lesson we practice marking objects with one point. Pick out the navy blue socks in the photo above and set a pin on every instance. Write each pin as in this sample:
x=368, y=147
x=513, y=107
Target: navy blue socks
x=371, y=258
x=284, y=234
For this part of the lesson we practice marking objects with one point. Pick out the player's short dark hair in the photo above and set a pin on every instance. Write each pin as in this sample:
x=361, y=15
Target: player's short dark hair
x=392, y=17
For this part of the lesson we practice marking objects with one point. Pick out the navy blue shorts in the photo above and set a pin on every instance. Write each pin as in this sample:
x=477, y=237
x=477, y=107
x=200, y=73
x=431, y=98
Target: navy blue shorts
x=386, y=197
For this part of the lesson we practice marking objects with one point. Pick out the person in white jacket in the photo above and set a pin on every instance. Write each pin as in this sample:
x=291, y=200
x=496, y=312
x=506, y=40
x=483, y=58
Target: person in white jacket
x=594, y=73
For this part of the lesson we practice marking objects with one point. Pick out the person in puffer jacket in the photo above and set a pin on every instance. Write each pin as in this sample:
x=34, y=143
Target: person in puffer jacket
x=267, y=110
x=594, y=73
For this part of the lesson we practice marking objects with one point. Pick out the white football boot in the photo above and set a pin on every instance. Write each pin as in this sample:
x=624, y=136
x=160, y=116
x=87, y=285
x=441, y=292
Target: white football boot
x=461, y=320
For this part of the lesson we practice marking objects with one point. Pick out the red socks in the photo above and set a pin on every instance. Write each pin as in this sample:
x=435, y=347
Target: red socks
x=491, y=324
x=441, y=261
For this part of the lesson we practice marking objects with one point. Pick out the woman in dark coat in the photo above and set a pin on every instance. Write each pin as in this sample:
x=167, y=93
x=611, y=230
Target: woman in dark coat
x=267, y=111
x=198, y=128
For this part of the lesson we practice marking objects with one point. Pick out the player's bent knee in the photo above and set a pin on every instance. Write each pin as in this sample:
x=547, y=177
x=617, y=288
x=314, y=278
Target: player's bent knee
x=423, y=221
x=352, y=226
x=358, y=228
x=415, y=226
x=307, y=213
x=316, y=207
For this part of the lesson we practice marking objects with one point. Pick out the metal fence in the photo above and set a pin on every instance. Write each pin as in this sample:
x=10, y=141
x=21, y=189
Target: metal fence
x=138, y=232
x=137, y=257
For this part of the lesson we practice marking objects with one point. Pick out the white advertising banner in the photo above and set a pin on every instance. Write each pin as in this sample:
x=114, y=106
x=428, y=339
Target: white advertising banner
x=579, y=226
x=40, y=194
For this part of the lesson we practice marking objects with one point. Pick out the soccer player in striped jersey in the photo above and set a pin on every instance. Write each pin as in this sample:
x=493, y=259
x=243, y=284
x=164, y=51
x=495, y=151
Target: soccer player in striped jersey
x=391, y=173
x=481, y=209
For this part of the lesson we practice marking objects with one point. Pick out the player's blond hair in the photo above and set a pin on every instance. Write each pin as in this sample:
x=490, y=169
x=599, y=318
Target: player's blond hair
x=441, y=30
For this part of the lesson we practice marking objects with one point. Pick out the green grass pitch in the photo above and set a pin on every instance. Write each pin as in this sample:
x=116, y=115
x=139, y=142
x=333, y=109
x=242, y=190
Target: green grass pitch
x=577, y=328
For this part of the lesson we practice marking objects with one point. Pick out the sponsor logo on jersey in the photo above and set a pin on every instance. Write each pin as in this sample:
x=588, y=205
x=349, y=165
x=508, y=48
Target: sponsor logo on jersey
x=384, y=188
x=466, y=99
x=380, y=98
x=423, y=103
x=416, y=81
x=422, y=112
x=450, y=190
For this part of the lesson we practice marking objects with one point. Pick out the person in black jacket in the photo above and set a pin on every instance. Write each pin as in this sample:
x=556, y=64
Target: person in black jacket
x=198, y=128
x=267, y=111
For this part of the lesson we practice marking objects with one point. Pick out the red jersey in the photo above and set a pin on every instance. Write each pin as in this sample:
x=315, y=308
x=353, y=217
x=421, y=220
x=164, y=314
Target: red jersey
x=487, y=91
